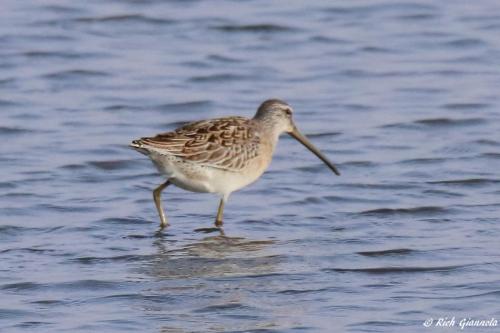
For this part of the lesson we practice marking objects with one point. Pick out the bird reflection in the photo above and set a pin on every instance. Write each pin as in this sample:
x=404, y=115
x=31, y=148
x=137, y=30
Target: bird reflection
x=211, y=256
x=195, y=278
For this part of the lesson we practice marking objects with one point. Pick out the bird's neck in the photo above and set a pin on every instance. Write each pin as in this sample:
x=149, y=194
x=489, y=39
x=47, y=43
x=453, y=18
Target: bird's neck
x=269, y=130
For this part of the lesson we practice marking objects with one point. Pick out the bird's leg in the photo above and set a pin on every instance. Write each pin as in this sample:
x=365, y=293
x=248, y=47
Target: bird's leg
x=218, y=219
x=157, y=198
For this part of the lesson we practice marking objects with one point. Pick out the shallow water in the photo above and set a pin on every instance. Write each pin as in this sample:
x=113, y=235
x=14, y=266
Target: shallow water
x=403, y=96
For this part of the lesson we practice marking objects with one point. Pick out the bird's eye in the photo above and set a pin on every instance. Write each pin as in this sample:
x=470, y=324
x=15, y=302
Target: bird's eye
x=288, y=112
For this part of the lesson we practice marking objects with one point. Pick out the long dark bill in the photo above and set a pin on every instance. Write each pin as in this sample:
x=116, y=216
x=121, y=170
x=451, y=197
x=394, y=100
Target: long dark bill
x=302, y=139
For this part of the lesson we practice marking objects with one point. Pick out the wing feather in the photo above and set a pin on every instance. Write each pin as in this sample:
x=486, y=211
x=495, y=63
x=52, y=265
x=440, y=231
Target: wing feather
x=226, y=143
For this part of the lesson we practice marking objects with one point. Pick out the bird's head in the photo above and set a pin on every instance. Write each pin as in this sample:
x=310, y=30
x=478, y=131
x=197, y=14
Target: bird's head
x=277, y=116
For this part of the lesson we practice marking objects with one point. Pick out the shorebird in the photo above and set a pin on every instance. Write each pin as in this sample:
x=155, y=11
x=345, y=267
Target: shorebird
x=221, y=155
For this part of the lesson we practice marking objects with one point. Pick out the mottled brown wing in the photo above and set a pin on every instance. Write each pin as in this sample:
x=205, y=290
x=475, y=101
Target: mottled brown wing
x=226, y=143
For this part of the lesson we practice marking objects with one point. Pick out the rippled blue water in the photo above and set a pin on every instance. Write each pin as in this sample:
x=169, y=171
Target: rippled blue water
x=403, y=96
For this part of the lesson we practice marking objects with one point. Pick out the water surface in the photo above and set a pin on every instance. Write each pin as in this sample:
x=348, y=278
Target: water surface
x=403, y=96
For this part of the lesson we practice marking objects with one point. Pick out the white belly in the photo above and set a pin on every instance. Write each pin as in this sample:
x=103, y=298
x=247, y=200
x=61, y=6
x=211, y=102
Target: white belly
x=198, y=178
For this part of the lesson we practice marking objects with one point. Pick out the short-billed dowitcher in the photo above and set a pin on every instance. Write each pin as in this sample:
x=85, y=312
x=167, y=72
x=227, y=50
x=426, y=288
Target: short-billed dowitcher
x=221, y=155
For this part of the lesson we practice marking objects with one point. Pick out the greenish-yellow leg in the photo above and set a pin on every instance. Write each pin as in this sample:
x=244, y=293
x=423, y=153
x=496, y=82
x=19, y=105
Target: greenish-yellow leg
x=220, y=212
x=157, y=198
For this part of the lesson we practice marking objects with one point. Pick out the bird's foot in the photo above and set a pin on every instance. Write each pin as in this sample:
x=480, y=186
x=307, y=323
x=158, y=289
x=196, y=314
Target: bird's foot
x=163, y=226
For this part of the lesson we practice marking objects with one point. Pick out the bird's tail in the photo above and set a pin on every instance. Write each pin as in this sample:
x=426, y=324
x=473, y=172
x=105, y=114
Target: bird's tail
x=136, y=144
x=139, y=146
